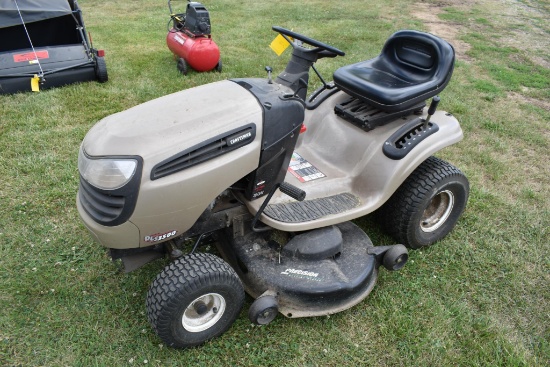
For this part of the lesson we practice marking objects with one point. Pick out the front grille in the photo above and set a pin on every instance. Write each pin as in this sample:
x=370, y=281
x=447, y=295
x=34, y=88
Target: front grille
x=111, y=207
x=101, y=206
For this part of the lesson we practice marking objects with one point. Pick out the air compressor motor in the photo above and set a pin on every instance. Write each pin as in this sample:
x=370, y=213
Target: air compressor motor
x=190, y=40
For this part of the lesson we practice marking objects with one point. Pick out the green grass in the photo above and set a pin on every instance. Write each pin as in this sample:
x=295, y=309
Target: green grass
x=478, y=298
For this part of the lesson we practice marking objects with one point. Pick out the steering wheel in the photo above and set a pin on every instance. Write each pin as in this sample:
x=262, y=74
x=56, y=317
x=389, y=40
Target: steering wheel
x=309, y=41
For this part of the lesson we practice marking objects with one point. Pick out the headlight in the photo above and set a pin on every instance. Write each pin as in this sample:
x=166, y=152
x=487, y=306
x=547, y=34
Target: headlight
x=106, y=173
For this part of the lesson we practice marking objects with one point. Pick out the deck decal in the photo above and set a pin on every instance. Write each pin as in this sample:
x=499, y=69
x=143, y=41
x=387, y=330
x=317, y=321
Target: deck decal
x=31, y=57
x=303, y=170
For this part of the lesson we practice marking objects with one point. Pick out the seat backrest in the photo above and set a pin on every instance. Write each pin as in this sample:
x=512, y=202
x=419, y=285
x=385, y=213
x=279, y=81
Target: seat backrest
x=416, y=57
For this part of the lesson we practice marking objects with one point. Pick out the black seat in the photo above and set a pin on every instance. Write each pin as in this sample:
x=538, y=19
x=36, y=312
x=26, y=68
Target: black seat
x=412, y=67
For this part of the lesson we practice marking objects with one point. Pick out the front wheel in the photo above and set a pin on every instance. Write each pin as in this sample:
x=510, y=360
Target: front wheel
x=194, y=299
x=427, y=205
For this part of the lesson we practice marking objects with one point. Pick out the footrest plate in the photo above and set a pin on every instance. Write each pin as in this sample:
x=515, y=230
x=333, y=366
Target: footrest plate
x=308, y=210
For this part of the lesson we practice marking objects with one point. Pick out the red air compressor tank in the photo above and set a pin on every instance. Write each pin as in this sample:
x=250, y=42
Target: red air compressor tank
x=200, y=52
x=190, y=40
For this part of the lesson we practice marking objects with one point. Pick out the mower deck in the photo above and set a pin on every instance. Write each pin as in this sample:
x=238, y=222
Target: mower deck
x=316, y=273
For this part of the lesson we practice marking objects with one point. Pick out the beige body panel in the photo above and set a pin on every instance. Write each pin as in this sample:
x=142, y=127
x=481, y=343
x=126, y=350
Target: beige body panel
x=162, y=127
x=353, y=162
x=351, y=159
x=159, y=129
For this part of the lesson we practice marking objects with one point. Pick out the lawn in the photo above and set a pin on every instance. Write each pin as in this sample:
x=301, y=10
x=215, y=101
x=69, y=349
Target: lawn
x=480, y=297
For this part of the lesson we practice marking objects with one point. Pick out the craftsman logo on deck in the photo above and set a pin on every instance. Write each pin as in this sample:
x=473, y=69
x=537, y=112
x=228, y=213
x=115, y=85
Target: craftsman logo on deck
x=31, y=57
x=303, y=274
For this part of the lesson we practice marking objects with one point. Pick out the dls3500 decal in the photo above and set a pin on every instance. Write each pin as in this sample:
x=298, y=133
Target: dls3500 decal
x=159, y=236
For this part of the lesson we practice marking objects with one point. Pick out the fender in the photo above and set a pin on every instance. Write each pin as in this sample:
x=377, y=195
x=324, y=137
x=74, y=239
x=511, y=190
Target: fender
x=353, y=161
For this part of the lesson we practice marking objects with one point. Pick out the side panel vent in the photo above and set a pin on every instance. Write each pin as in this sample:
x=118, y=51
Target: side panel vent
x=205, y=151
x=408, y=136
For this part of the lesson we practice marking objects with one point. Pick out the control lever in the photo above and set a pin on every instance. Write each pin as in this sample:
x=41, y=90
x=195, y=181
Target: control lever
x=431, y=110
x=292, y=191
x=269, y=70
x=286, y=188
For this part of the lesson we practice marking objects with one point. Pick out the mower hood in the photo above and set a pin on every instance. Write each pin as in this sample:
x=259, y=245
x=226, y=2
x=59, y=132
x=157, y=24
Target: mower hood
x=191, y=146
x=165, y=126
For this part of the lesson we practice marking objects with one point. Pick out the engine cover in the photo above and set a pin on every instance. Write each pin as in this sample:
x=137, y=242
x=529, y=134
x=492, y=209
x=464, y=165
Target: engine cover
x=193, y=145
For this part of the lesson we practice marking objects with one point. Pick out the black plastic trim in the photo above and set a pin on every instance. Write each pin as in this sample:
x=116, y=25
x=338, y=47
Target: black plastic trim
x=320, y=95
x=401, y=142
x=208, y=149
x=367, y=117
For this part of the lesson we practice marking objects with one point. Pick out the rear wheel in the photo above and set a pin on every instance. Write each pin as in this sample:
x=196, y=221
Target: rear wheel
x=182, y=66
x=427, y=205
x=101, y=70
x=194, y=299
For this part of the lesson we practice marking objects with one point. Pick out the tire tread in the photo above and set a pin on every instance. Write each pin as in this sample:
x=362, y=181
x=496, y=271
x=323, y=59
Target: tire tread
x=185, y=275
x=396, y=215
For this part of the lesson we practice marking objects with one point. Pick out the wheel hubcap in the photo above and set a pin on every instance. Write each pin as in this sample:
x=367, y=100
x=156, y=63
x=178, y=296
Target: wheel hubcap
x=203, y=312
x=267, y=316
x=437, y=212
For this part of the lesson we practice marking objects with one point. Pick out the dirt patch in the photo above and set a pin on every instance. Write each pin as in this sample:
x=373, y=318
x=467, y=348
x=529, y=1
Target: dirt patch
x=428, y=14
x=526, y=28
x=544, y=104
x=523, y=24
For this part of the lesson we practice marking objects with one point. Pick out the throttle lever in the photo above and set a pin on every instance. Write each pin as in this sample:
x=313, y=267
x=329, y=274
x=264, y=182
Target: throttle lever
x=286, y=188
x=431, y=110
